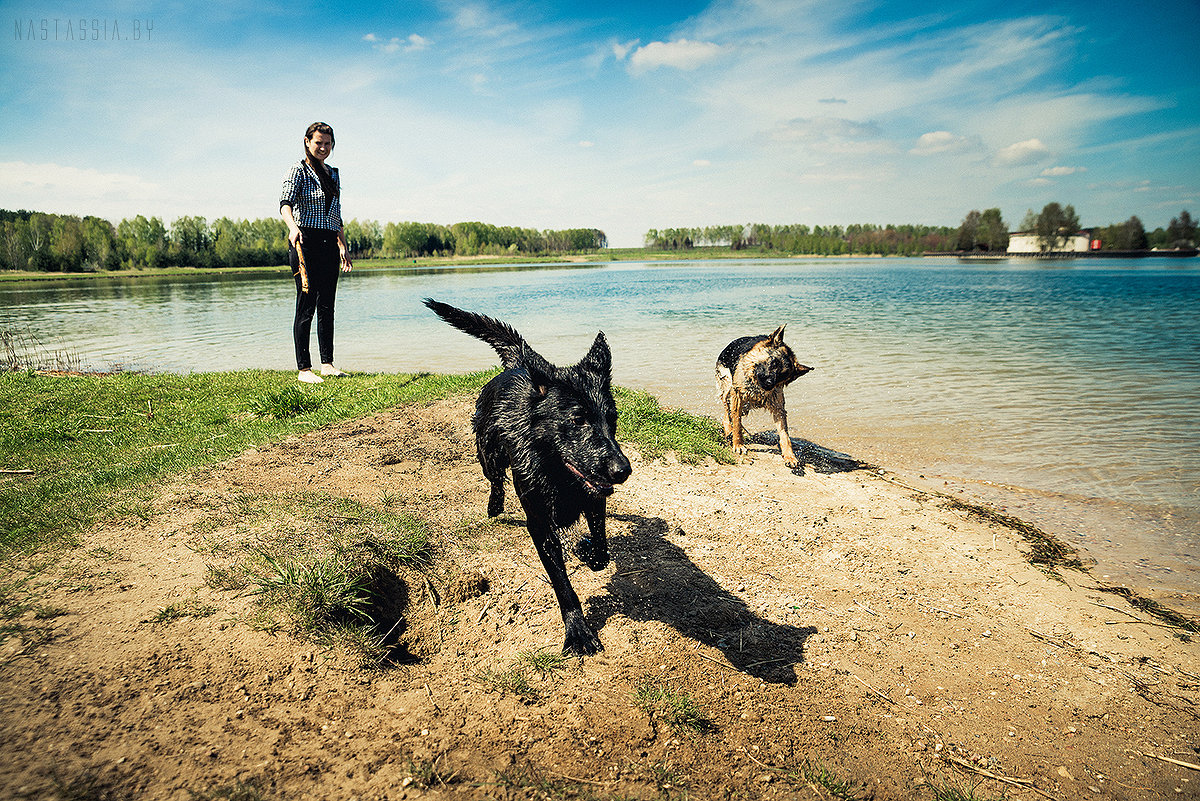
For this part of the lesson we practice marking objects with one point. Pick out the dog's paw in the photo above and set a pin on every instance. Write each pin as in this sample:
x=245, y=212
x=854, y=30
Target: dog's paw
x=793, y=463
x=740, y=450
x=587, y=552
x=581, y=639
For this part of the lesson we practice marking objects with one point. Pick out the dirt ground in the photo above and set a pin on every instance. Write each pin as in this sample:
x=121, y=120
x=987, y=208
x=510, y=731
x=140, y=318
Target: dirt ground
x=836, y=632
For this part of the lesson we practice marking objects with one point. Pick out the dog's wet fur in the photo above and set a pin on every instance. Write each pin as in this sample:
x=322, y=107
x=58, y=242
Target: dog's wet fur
x=554, y=428
x=752, y=372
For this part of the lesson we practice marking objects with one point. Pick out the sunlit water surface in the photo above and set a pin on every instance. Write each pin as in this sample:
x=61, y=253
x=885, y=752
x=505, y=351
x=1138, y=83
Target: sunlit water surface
x=1067, y=393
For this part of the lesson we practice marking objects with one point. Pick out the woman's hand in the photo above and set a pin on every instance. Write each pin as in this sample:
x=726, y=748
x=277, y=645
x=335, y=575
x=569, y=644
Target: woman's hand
x=346, y=265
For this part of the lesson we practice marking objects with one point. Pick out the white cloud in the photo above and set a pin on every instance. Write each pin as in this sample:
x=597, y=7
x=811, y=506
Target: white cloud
x=586, y=144
x=1019, y=154
x=701, y=163
x=940, y=142
x=414, y=42
x=620, y=50
x=681, y=54
x=1058, y=172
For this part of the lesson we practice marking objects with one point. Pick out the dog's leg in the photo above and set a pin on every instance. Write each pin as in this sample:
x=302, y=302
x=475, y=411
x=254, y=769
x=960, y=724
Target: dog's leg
x=494, y=462
x=779, y=412
x=593, y=549
x=735, y=422
x=723, y=394
x=581, y=639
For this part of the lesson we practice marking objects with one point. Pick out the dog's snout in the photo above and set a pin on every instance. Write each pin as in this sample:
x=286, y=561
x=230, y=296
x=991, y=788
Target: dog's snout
x=619, y=468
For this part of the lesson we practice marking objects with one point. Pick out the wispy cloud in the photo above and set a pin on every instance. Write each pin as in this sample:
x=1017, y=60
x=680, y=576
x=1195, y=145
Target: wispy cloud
x=1018, y=154
x=680, y=54
x=414, y=43
x=1059, y=172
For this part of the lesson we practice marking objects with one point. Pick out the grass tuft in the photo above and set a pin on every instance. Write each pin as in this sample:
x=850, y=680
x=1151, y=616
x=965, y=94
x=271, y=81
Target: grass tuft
x=285, y=402
x=678, y=710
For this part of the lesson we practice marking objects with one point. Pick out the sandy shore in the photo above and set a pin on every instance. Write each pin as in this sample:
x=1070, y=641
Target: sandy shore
x=837, y=621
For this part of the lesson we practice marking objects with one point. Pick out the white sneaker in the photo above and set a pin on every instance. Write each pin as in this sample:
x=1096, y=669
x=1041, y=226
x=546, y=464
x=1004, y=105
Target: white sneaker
x=309, y=377
x=329, y=371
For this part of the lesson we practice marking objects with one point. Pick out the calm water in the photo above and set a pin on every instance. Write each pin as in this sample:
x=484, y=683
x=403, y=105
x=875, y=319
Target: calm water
x=1067, y=393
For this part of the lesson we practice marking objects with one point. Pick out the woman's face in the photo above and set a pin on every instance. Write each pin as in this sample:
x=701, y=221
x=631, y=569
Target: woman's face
x=320, y=146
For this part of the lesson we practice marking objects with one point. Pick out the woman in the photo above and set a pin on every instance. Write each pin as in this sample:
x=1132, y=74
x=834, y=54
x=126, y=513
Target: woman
x=311, y=207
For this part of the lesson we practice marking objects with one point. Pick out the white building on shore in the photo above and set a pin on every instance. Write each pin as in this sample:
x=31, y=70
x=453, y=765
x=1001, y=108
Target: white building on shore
x=1027, y=242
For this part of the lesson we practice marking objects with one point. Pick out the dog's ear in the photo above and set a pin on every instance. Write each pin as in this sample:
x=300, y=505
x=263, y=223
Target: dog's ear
x=777, y=337
x=599, y=358
x=539, y=381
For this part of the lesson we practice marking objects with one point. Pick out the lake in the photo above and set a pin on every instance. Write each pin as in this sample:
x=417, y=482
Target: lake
x=1067, y=393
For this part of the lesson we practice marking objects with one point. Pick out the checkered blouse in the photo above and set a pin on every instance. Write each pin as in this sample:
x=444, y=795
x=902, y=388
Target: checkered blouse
x=302, y=191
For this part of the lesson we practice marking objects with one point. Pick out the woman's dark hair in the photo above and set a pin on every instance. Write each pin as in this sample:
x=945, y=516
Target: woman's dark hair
x=327, y=184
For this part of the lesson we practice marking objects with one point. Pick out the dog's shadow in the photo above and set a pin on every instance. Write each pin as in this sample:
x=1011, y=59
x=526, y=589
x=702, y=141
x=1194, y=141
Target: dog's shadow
x=655, y=580
x=820, y=458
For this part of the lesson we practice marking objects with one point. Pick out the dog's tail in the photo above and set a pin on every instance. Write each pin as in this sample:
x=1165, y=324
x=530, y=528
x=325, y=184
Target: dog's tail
x=510, y=345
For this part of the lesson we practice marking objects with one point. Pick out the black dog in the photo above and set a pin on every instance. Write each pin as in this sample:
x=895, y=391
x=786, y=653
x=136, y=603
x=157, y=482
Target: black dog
x=751, y=374
x=555, y=428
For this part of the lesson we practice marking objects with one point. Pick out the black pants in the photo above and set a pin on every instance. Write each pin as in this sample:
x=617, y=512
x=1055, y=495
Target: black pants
x=323, y=264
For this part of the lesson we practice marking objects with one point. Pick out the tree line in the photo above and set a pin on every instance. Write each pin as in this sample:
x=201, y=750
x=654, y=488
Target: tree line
x=43, y=242
x=832, y=240
x=980, y=231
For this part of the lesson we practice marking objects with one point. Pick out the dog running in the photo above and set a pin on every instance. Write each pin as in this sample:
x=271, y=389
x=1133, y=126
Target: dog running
x=751, y=374
x=554, y=428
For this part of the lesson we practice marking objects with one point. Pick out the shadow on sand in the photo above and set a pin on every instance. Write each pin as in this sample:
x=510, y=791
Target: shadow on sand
x=655, y=580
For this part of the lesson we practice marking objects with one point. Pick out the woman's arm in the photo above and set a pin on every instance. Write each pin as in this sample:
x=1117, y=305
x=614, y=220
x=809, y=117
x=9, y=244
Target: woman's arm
x=344, y=250
x=294, y=236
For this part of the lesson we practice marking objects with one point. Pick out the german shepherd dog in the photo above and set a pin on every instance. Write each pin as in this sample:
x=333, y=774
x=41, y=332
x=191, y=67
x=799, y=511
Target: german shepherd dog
x=751, y=374
x=555, y=429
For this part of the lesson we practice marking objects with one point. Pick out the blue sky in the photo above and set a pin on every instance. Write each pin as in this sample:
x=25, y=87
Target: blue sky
x=621, y=115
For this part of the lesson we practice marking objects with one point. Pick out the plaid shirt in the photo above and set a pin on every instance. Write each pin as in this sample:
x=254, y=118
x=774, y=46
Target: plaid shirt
x=302, y=191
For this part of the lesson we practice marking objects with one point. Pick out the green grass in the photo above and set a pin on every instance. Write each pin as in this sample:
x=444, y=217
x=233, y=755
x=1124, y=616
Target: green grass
x=91, y=442
x=678, y=710
x=516, y=679
x=656, y=431
x=327, y=569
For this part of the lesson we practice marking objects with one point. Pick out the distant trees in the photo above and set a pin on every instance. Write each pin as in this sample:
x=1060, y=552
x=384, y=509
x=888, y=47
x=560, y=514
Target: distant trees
x=983, y=231
x=1129, y=235
x=410, y=239
x=1181, y=233
x=63, y=243
x=835, y=240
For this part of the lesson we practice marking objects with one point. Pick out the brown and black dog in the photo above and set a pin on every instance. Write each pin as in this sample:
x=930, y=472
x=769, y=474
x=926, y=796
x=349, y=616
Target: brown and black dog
x=751, y=374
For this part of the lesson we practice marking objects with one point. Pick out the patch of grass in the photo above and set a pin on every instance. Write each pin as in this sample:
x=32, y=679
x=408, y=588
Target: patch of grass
x=536, y=785
x=517, y=677
x=945, y=791
x=324, y=568
x=543, y=661
x=656, y=431
x=249, y=790
x=192, y=607
x=316, y=592
x=513, y=680
x=93, y=443
x=677, y=710
x=824, y=783
x=285, y=402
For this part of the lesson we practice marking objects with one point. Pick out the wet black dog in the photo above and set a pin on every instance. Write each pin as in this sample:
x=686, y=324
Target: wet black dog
x=751, y=374
x=555, y=429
